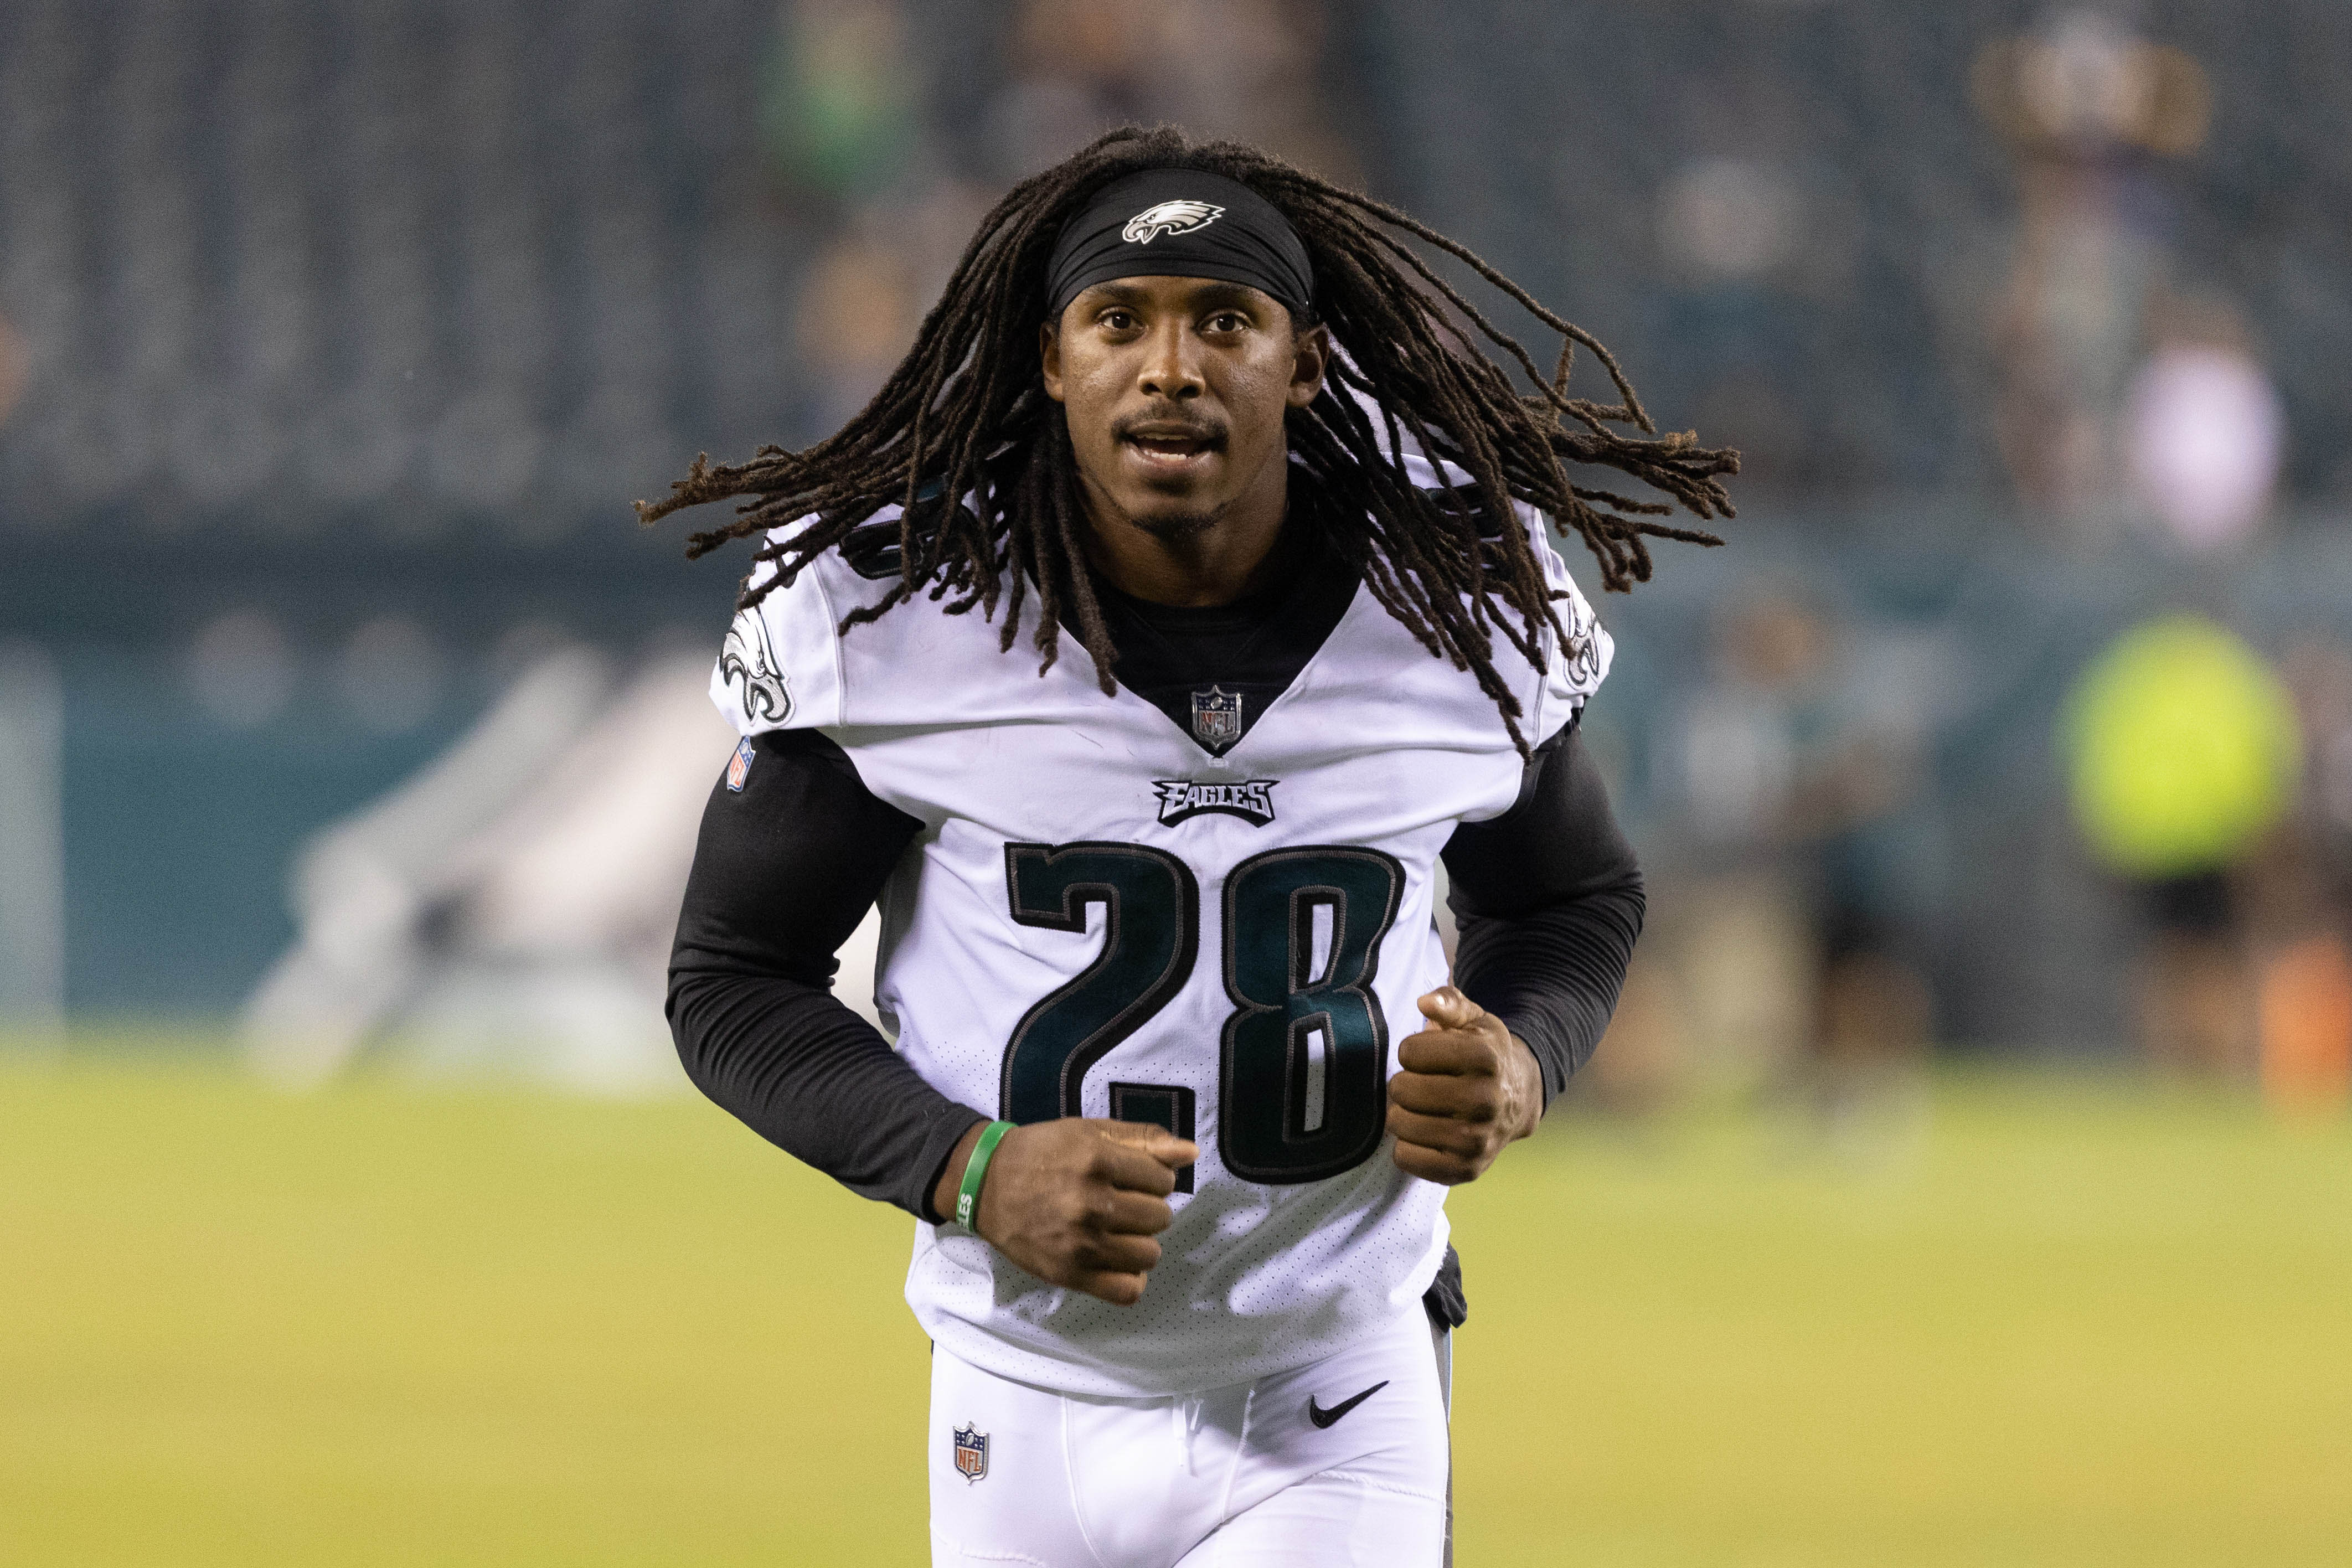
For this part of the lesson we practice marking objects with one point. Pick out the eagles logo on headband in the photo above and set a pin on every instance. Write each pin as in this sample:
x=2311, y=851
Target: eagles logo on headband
x=1181, y=223
x=1169, y=217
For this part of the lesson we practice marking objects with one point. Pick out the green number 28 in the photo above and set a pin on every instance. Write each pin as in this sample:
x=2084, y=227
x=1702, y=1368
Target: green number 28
x=1303, y=929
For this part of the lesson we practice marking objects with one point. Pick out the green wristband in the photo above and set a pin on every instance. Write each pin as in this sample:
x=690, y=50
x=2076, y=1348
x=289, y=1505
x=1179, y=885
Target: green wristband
x=967, y=1194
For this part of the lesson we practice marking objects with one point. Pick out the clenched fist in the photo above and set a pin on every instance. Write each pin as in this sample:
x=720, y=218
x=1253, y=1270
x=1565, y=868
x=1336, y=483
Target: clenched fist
x=1076, y=1201
x=1464, y=1086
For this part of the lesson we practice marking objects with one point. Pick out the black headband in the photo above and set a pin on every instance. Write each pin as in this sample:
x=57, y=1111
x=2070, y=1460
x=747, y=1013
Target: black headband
x=1180, y=223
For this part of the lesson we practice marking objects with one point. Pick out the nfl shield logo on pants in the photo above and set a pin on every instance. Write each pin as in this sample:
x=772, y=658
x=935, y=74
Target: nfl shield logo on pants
x=971, y=1453
x=1217, y=718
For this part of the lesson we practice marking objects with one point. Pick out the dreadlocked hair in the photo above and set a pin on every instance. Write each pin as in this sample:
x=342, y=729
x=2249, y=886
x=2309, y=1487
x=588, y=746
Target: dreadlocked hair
x=964, y=439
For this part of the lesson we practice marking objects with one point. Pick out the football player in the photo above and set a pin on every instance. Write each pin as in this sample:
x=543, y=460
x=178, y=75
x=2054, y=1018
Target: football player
x=1180, y=1077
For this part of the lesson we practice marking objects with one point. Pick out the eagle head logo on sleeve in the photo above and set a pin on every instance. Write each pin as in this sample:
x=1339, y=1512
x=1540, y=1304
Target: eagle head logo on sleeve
x=1169, y=217
x=1586, y=650
x=746, y=658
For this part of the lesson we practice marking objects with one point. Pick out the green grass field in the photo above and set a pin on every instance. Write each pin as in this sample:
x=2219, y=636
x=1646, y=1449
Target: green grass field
x=2070, y=1325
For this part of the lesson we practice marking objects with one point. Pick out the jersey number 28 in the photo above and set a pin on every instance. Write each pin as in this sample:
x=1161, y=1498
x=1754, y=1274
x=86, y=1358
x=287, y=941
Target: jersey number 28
x=1303, y=929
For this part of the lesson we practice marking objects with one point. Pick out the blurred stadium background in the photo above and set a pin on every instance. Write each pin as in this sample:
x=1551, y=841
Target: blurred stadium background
x=1965, y=1180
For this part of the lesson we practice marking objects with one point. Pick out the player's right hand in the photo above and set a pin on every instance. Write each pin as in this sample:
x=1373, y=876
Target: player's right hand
x=1076, y=1202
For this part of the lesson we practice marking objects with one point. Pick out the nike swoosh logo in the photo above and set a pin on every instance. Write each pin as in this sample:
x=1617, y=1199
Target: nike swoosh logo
x=1322, y=1417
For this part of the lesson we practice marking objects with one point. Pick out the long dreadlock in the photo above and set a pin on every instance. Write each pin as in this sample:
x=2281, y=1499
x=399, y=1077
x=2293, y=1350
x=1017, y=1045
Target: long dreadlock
x=964, y=437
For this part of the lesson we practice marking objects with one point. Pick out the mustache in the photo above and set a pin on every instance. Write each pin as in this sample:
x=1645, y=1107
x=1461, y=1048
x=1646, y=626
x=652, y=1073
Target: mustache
x=1171, y=426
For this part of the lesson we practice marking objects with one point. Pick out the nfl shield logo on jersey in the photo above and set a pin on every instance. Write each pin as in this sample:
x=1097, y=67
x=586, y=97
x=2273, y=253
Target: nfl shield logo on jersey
x=740, y=768
x=971, y=1453
x=1217, y=718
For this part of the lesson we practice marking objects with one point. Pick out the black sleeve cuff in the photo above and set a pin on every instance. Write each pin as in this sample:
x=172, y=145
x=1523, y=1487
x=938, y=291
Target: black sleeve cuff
x=1552, y=975
x=797, y=1066
x=945, y=1135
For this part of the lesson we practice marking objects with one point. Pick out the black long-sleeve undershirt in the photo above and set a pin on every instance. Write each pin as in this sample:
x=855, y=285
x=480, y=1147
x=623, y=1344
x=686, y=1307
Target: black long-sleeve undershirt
x=1547, y=897
x=1547, y=901
x=783, y=870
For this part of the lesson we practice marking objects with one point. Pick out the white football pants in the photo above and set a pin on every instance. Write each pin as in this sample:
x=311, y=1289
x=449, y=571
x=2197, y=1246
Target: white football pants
x=1344, y=1462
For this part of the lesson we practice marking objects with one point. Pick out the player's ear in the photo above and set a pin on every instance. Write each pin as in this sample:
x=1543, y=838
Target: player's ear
x=1312, y=349
x=1049, y=356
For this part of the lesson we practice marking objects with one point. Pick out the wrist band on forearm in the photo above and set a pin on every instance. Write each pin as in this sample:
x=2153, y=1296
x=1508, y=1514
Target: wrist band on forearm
x=967, y=1194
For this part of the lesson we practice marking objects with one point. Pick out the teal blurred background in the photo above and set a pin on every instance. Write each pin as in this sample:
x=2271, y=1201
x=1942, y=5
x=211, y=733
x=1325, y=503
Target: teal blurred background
x=338, y=338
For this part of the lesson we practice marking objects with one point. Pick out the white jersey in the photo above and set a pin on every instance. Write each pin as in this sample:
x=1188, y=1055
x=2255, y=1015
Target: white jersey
x=1098, y=918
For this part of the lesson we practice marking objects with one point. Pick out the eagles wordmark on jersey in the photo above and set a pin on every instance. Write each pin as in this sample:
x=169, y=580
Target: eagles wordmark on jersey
x=1106, y=916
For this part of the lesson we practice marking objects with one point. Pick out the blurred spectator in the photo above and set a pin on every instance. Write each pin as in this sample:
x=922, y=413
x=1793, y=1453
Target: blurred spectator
x=857, y=314
x=837, y=110
x=1244, y=68
x=2203, y=431
x=2318, y=672
x=2084, y=104
x=2306, y=1027
x=1780, y=913
x=1736, y=925
x=865, y=295
x=2302, y=898
x=1853, y=812
x=2183, y=751
x=1755, y=241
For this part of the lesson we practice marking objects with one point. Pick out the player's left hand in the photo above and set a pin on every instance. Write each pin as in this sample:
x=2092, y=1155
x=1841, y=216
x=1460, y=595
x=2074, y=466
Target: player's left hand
x=1463, y=1087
